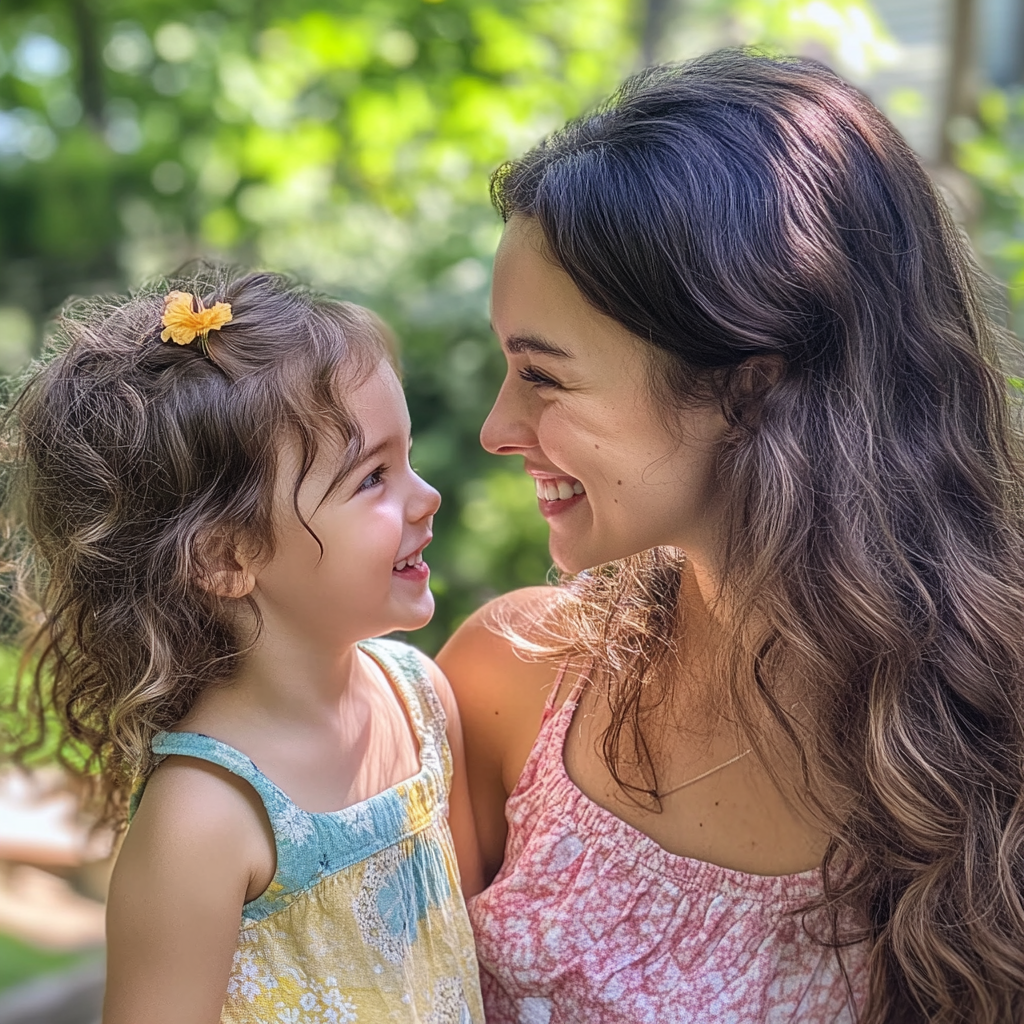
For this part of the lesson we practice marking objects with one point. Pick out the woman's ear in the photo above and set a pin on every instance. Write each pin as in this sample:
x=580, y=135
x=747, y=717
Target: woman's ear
x=749, y=384
x=221, y=569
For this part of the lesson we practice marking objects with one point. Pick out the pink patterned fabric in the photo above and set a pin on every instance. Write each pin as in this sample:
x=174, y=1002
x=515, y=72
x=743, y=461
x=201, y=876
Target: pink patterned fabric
x=591, y=922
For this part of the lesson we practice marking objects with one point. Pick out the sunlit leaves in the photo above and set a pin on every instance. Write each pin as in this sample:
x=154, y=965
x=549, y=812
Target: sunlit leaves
x=850, y=30
x=992, y=152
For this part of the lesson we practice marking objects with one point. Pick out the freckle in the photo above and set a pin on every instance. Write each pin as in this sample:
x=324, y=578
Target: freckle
x=716, y=802
x=620, y=483
x=700, y=824
x=597, y=446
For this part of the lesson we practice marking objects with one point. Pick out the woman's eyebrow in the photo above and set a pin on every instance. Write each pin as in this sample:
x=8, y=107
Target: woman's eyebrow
x=519, y=343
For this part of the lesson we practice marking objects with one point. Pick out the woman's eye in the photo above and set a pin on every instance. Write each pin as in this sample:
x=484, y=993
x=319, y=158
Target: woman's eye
x=374, y=479
x=537, y=377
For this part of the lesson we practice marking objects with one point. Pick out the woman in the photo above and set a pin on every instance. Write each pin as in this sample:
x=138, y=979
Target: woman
x=751, y=374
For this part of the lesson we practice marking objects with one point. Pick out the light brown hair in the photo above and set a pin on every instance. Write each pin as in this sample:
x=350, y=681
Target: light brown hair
x=138, y=467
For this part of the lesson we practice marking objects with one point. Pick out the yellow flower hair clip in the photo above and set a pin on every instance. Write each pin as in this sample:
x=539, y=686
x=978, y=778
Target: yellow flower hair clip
x=186, y=318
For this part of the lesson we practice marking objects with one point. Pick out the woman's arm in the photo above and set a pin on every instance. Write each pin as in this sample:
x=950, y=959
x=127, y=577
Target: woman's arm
x=198, y=848
x=501, y=701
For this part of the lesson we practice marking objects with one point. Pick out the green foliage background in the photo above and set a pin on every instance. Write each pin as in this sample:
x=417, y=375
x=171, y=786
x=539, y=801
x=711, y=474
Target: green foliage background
x=349, y=143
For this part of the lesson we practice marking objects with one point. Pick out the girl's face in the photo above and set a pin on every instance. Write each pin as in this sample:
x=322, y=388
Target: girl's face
x=373, y=525
x=615, y=474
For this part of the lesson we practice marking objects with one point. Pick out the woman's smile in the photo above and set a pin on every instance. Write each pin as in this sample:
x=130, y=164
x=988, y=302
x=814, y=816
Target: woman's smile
x=557, y=494
x=614, y=475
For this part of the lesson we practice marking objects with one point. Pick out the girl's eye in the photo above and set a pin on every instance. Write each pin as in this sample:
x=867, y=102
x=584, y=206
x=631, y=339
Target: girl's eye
x=537, y=377
x=373, y=480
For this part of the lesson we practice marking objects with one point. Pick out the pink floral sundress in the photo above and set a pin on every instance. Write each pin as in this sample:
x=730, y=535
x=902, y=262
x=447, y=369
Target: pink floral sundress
x=589, y=921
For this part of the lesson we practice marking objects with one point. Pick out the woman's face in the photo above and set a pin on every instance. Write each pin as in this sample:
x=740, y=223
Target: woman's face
x=615, y=473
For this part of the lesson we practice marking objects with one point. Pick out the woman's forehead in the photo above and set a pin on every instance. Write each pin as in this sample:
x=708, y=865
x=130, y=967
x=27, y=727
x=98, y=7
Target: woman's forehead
x=537, y=310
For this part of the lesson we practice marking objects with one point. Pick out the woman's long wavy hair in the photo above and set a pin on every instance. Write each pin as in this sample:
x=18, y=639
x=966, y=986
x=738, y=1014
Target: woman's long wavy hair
x=135, y=469
x=744, y=206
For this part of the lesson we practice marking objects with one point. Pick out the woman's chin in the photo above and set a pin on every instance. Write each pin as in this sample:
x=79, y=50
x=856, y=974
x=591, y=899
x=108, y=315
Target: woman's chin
x=574, y=562
x=575, y=559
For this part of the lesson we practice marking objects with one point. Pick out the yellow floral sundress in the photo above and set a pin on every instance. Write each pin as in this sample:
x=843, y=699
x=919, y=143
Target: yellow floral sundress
x=364, y=921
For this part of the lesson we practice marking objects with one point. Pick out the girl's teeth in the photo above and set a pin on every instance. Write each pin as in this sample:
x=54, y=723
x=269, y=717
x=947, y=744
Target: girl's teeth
x=399, y=566
x=577, y=488
x=564, y=490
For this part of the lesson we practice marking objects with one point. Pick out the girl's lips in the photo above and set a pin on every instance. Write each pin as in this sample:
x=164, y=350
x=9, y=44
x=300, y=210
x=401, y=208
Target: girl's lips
x=418, y=573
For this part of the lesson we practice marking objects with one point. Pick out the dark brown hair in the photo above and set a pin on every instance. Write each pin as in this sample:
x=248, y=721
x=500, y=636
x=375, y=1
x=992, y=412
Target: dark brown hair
x=745, y=206
x=138, y=466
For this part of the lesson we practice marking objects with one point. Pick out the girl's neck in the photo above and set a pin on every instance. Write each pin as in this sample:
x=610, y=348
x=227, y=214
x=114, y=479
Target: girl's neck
x=296, y=678
x=288, y=678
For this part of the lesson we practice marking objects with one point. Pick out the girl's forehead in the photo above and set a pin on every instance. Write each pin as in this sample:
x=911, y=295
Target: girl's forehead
x=378, y=400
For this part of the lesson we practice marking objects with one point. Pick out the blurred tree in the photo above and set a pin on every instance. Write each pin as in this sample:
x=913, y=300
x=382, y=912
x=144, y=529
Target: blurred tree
x=351, y=144
x=989, y=147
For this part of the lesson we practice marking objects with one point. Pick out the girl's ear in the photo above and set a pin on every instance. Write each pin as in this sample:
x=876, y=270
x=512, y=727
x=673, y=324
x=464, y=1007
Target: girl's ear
x=221, y=569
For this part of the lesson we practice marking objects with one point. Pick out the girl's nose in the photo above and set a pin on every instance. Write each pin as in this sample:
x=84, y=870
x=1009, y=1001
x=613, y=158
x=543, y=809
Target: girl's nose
x=427, y=500
x=506, y=430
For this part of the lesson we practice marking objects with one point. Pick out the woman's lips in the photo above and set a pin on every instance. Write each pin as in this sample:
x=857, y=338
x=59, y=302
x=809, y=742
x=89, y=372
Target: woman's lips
x=558, y=494
x=550, y=509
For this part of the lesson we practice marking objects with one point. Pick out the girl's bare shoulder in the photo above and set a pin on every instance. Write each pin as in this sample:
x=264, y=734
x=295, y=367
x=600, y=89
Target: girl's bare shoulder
x=196, y=817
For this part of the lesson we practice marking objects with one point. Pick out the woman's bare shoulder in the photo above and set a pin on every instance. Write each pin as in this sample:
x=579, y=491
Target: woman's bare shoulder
x=500, y=686
x=491, y=648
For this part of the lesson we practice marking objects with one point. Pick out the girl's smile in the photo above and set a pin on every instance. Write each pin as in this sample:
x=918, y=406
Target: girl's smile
x=373, y=525
x=412, y=568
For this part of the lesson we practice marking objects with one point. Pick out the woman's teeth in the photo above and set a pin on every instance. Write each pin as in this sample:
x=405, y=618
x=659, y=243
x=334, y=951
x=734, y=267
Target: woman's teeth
x=412, y=560
x=558, y=490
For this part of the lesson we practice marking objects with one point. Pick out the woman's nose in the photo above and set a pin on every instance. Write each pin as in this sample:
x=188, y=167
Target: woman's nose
x=506, y=431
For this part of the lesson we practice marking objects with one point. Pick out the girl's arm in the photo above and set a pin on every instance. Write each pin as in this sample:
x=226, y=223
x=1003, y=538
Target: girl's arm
x=198, y=848
x=460, y=810
x=501, y=700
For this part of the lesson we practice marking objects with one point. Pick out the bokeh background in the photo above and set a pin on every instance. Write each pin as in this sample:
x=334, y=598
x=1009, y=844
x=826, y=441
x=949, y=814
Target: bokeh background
x=350, y=143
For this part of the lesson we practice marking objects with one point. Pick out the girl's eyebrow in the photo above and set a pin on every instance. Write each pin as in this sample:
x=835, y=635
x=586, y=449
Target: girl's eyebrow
x=517, y=344
x=364, y=457
x=369, y=453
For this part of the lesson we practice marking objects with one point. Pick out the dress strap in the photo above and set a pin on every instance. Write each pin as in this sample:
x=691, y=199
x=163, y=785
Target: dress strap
x=206, y=748
x=582, y=678
x=406, y=668
x=549, y=704
x=574, y=694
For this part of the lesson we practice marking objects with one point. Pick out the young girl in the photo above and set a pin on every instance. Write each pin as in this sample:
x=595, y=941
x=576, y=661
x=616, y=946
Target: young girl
x=752, y=375
x=219, y=510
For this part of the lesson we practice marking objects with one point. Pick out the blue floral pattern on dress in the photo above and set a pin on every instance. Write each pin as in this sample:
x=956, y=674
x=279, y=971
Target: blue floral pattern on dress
x=364, y=920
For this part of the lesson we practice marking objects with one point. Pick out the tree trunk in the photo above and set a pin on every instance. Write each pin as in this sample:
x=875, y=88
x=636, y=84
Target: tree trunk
x=656, y=16
x=90, y=67
x=960, y=84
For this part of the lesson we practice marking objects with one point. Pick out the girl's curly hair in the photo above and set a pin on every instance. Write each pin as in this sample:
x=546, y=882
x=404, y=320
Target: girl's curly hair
x=135, y=467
